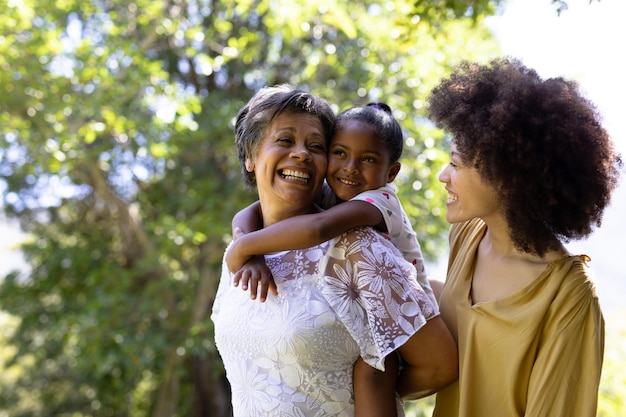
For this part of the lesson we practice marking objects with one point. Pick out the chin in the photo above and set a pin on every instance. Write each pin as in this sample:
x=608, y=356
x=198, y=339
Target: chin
x=452, y=219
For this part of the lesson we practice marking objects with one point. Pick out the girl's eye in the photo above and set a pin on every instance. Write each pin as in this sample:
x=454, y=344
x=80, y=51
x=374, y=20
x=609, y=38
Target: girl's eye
x=369, y=159
x=338, y=152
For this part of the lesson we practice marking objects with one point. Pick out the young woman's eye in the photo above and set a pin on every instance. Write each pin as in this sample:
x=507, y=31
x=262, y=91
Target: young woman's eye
x=453, y=165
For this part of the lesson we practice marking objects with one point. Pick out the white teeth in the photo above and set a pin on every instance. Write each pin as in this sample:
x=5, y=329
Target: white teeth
x=295, y=175
x=452, y=197
x=348, y=182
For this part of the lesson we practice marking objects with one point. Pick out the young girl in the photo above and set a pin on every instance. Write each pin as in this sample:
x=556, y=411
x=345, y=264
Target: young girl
x=363, y=160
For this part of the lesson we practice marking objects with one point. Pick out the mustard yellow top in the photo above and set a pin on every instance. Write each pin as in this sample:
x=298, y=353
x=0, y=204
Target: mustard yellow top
x=535, y=353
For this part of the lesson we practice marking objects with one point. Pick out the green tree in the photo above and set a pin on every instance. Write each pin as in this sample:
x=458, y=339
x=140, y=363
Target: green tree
x=117, y=158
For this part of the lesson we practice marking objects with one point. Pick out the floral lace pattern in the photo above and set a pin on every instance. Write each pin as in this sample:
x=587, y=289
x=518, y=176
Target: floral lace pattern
x=293, y=355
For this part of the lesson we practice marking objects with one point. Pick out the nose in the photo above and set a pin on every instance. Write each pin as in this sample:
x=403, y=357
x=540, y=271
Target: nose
x=444, y=176
x=301, y=153
x=351, y=165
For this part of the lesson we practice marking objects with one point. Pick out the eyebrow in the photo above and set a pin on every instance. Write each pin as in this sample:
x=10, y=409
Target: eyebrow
x=288, y=129
x=293, y=130
x=366, y=151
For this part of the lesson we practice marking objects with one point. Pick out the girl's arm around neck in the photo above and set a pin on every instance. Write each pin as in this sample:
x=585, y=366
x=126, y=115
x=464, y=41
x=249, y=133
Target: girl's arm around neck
x=256, y=274
x=248, y=219
x=304, y=231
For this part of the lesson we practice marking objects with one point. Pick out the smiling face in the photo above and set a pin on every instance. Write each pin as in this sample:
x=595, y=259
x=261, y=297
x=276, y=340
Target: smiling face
x=289, y=166
x=469, y=196
x=358, y=161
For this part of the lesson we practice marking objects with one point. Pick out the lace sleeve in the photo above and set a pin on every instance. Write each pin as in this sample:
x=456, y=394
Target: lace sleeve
x=374, y=292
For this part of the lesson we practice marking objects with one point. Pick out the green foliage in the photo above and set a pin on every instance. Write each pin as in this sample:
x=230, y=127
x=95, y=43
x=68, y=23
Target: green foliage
x=611, y=401
x=116, y=152
x=420, y=408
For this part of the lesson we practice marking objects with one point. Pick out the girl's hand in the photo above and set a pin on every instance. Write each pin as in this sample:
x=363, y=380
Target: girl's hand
x=257, y=276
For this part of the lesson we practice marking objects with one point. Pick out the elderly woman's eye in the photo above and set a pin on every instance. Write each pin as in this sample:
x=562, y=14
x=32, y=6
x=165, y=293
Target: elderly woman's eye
x=319, y=147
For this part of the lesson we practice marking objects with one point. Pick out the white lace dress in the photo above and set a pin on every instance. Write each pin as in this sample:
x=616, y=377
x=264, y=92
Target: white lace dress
x=294, y=354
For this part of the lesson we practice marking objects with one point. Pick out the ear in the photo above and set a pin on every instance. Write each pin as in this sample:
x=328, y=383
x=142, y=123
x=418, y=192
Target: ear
x=249, y=165
x=393, y=171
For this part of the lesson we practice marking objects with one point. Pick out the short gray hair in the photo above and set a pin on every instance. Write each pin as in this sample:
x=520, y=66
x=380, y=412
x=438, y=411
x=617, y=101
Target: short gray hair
x=267, y=104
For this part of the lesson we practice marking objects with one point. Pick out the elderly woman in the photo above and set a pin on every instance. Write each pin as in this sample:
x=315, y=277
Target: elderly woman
x=349, y=298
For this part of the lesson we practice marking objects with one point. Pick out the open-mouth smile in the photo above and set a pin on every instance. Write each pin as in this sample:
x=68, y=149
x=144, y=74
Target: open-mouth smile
x=293, y=175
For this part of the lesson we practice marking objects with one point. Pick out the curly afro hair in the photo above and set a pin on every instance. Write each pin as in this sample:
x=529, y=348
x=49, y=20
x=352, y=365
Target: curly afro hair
x=539, y=142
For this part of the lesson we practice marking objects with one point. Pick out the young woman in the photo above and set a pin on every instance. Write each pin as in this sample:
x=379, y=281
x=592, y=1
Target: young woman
x=530, y=168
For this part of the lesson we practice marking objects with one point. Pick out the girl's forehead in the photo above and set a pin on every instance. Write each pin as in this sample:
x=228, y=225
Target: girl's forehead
x=354, y=124
x=356, y=137
x=354, y=129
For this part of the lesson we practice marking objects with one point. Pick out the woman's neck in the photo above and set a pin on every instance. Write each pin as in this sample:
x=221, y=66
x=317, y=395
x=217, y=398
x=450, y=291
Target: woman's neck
x=497, y=240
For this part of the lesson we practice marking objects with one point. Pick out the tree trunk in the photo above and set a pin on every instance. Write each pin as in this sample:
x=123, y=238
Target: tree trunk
x=211, y=397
